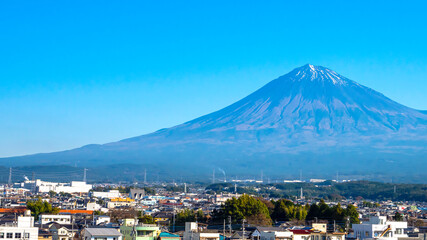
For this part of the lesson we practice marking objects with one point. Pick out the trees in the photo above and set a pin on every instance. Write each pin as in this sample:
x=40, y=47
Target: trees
x=147, y=219
x=335, y=213
x=398, y=217
x=38, y=207
x=188, y=215
x=352, y=213
x=52, y=193
x=245, y=207
x=285, y=210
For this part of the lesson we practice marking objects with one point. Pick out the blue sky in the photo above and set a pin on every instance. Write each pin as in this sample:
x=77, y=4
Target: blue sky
x=82, y=72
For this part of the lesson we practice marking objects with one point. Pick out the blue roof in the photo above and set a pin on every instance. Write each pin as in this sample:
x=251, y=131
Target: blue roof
x=166, y=234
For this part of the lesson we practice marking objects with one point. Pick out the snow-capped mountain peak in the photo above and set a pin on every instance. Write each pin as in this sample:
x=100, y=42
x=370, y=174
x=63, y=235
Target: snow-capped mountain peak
x=317, y=73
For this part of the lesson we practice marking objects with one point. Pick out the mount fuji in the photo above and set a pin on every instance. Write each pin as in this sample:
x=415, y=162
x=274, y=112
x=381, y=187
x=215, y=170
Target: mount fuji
x=311, y=118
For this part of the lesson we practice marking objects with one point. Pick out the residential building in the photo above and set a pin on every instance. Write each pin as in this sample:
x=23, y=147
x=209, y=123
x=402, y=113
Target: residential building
x=101, y=234
x=61, y=219
x=132, y=230
x=120, y=202
x=23, y=228
x=192, y=232
x=63, y=231
x=271, y=233
x=379, y=228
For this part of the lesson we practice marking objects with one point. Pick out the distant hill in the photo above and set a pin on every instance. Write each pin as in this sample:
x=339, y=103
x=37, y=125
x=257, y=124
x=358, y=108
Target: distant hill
x=311, y=119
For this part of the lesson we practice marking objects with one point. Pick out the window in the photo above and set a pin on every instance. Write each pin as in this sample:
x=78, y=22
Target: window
x=17, y=235
x=1, y=234
x=366, y=234
x=9, y=235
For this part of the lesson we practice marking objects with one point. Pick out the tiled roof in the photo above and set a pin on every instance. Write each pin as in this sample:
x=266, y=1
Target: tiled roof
x=103, y=232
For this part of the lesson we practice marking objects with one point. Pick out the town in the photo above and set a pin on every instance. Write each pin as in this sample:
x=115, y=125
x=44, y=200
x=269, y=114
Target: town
x=37, y=209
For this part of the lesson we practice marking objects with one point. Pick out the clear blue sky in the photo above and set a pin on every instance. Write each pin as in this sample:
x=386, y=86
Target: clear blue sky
x=82, y=72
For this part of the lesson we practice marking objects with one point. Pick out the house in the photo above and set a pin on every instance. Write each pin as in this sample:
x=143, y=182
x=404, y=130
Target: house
x=300, y=234
x=101, y=219
x=271, y=233
x=23, y=228
x=162, y=217
x=120, y=202
x=44, y=235
x=63, y=231
x=61, y=219
x=378, y=227
x=101, y=233
x=319, y=231
x=192, y=233
x=132, y=230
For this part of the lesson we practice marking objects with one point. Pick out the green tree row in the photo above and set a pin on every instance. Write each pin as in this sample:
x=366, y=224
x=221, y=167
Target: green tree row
x=261, y=212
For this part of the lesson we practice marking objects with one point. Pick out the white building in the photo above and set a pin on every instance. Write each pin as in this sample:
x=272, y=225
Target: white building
x=61, y=219
x=379, y=228
x=110, y=194
x=271, y=233
x=22, y=229
x=102, y=219
x=101, y=233
x=45, y=187
x=192, y=232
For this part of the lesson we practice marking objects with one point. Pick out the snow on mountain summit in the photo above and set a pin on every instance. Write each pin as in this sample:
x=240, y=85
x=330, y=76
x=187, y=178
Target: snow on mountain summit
x=318, y=73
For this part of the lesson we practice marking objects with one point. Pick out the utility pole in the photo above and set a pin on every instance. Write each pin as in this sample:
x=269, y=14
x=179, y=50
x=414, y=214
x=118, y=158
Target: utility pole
x=229, y=222
x=243, y=228
x=223, y=229
x=334, y=226
x=348, y=224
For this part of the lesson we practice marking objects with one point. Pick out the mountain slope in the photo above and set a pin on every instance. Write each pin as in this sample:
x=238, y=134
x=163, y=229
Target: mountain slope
x=311, y=115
